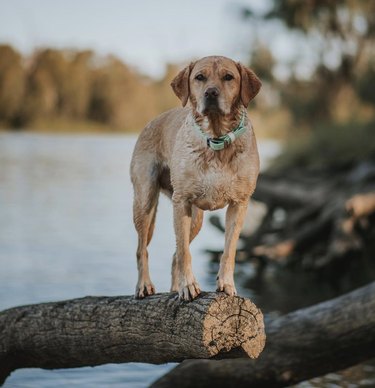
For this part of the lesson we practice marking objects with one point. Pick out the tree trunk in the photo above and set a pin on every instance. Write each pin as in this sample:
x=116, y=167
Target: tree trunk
x=310, y=342
x=98, y=330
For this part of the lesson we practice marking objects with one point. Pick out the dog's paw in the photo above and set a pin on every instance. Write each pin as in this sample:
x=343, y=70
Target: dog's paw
x=189, y=291
x=228, y=288
x=144, y=289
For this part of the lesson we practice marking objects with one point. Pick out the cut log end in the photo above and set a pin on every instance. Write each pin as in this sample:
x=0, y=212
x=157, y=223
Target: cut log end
x=300, y=345
x=233, y=322
x=99, y=330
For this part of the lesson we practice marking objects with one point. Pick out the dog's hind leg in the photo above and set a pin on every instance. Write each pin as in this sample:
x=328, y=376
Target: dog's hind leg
x=196, y=225
x=146, y=196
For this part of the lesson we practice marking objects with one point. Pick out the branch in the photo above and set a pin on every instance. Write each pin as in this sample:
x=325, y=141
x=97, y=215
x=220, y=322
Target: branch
x=98, y=330
x=310, y=342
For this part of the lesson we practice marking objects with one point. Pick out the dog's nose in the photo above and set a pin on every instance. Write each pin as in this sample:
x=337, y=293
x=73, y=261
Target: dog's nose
x=211, y=93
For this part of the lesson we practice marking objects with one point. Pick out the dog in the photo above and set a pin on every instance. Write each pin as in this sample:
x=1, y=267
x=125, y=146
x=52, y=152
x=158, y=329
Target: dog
x=204, y=157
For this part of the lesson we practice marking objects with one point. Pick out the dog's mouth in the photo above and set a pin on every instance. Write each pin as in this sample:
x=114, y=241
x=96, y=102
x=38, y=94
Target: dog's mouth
x=211, y=106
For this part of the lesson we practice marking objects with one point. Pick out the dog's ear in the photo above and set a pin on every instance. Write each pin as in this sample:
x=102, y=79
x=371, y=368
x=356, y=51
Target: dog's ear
x=250, y=84
x=180, y=84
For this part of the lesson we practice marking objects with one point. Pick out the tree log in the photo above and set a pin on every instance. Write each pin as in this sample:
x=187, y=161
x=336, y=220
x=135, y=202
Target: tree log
x=310, y=342
x=98, y=330
x=288, y=193
x=361, y=205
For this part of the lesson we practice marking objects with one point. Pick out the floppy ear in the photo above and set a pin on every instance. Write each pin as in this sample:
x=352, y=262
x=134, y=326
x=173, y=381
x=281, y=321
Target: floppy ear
x=250, y=84
x=180, y=84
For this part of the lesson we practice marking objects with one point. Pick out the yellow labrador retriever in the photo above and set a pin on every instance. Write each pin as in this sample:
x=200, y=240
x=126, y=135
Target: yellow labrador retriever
x=204, y=157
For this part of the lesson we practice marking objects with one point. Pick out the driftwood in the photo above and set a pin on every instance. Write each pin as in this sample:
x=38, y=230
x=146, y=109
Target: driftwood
x=326, y=217
x=310, y=342
x=98, y=330
x=277, y=189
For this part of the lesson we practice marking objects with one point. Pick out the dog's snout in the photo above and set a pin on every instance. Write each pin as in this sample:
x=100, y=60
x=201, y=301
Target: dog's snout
x=211, y=100
x=211, y=92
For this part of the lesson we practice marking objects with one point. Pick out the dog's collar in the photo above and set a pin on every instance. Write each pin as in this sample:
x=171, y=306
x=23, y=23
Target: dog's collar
x=219, y=143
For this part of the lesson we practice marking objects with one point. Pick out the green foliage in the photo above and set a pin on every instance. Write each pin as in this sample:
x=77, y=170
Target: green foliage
x=330, y=147
x=306, y=100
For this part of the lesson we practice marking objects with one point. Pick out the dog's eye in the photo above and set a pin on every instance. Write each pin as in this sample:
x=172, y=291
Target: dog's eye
x=228, y=77
x=200, y=77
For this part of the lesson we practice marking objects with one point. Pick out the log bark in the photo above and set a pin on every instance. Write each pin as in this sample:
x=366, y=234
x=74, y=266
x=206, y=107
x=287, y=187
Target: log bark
x=310, y=342
x=98, y=330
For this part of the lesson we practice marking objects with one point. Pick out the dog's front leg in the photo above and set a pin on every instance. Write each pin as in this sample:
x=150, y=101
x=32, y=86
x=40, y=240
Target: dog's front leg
x=188, y=288
x=233, y=224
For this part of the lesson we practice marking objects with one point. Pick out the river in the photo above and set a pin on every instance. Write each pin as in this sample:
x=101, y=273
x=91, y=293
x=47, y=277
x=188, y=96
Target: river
x=66, y=231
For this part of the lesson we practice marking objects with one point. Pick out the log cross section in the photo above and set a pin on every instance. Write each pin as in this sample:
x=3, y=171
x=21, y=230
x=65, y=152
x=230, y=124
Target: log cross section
x=98, y=330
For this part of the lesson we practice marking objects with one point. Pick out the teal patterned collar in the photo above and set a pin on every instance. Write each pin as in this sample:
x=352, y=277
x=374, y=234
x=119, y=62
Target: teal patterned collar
x=219, y=143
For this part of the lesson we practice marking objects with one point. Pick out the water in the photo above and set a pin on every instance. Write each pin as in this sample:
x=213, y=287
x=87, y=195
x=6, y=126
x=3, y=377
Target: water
x=66, y=231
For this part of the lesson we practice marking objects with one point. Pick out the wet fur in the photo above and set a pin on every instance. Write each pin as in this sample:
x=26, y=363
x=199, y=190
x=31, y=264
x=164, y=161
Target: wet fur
x=171, y=157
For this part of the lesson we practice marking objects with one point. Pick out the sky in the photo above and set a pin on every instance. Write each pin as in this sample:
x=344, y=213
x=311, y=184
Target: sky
x=146, y=34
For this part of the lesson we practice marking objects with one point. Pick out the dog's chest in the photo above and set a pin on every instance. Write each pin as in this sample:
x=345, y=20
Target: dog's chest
x=211, y=180
x=215, y=186
x=214, y=189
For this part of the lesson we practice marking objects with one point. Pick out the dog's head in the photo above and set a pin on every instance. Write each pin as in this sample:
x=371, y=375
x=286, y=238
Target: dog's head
x=216, y=85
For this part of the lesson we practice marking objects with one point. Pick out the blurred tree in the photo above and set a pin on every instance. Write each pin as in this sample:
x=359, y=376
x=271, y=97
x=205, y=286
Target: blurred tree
x=12, y=85
x=166, y=98
x=71, y=85
x=77, y=84
x=340, y=37
x=45, y=85
x=121, y=97
x=263, y=63
x=366, y=84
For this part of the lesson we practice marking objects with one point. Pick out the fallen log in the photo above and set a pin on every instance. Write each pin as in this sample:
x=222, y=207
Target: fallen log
x=336, y=229
x=97, y=330
x=314, y=221
x=361, y=205
x=310, y=342
x=289, y=194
